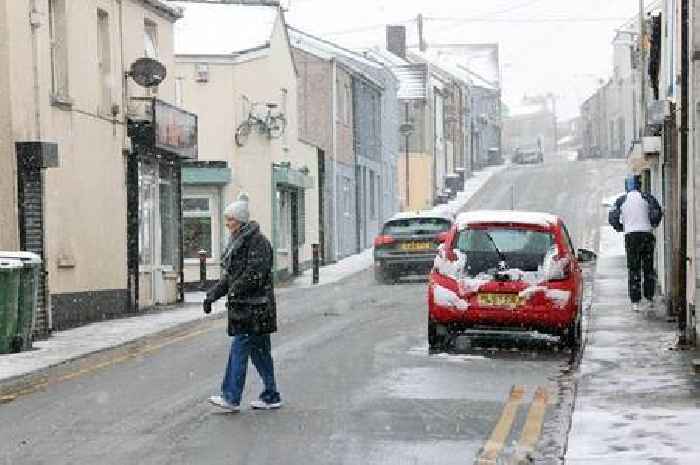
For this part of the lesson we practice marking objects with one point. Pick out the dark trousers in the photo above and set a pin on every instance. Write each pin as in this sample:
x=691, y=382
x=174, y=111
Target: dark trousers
x=639, y=247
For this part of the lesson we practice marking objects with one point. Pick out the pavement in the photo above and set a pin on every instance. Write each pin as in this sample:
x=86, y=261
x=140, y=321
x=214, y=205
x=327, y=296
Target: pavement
x=637, y=398
x=72, y=344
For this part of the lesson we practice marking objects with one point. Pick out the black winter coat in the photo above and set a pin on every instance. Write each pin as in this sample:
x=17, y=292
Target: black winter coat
x=246, y=279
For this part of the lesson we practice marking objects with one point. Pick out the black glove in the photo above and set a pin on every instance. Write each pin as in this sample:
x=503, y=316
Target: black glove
x=206, y=305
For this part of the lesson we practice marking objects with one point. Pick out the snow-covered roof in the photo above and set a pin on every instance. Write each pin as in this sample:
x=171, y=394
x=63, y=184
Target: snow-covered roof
x=479, y=61
x=506, y=216
x=383, y=55
x=445, y=63
x=222, y=29
x=173, y=13
x=326, y=50
x=413, y=81
x=412, y=77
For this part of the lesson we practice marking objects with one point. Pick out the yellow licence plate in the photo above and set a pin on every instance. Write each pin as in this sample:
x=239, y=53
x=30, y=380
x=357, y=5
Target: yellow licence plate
x=500, y=300
x=415, y=246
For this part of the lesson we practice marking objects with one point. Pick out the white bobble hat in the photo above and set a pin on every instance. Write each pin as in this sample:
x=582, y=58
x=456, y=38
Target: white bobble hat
x=239, y=209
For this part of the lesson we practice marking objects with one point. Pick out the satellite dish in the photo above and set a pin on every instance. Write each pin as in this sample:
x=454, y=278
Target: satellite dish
x=147, y=72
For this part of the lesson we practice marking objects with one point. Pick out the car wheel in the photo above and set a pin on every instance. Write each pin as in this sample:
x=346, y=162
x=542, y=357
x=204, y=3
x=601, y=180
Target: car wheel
x=382, y=277
x=437, y=342
x=573, y=335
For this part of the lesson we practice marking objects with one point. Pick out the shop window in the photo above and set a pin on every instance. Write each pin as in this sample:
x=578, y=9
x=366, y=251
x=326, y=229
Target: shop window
x=147, y=201
x=197, y=226
x=284, y=215
x=169, y=218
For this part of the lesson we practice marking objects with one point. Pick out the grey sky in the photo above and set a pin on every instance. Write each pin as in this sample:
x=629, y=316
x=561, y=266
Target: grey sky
x=537, y=55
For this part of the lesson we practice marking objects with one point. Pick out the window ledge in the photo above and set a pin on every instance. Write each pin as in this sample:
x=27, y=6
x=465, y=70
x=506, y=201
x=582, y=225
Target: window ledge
x=62, y=101
x=282, y=252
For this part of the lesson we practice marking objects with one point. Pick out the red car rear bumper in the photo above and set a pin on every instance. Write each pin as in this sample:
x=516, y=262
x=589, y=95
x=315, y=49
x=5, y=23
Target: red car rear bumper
x=547, y=316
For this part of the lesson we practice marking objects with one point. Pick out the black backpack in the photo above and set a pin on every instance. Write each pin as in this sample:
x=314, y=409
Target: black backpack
x=614, y=214
x=656, y=214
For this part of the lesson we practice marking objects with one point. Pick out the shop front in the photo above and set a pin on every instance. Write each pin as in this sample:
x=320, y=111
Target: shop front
x=160, y=144
x=289, y=219
x=203, y=184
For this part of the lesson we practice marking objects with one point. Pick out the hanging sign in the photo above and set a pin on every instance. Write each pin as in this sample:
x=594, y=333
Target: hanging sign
x=175, y=130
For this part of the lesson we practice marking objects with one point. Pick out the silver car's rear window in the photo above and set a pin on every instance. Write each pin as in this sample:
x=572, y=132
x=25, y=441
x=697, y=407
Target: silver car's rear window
x=416, y=226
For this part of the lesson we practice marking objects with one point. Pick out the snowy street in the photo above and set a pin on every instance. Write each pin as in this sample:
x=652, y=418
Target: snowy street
x=352, y=366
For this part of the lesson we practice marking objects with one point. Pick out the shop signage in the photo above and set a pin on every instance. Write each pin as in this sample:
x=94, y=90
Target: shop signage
x=175, y=130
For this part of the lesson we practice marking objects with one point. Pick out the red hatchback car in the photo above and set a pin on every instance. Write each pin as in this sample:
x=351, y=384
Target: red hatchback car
x=506, y=270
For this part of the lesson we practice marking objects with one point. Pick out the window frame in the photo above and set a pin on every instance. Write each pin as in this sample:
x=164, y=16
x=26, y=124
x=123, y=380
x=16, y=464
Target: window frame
x=58, y=50
x=211, y=201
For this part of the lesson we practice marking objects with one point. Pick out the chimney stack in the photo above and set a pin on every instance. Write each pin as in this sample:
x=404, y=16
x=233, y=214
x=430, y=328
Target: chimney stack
x=396, y=40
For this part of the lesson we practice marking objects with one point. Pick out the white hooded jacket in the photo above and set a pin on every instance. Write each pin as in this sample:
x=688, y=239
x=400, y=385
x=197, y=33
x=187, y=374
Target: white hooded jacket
x=634, y=213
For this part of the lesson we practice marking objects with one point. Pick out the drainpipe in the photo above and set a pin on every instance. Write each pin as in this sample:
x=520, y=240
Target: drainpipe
x=435, y=148
x=683, y=175
x=124, y=77
x=355, y=144
x=35, y=23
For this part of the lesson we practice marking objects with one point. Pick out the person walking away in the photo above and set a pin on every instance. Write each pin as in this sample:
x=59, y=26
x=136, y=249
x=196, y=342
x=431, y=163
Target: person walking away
x=247, y=282
x=636, y=214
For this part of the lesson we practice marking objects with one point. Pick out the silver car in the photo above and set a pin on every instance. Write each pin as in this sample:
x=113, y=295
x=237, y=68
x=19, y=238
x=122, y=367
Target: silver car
x=408, y=244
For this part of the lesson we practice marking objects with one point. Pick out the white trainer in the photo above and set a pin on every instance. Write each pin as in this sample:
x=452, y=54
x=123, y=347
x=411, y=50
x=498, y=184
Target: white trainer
x=220, y=402
x=635, y=307
x=262, y=405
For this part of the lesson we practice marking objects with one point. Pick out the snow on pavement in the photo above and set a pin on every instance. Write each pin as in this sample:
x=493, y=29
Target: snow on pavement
x=63, y=346
x=636, y=400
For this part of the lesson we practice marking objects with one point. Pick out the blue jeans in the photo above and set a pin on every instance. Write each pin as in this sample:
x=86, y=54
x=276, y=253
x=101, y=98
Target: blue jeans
x=259, y=350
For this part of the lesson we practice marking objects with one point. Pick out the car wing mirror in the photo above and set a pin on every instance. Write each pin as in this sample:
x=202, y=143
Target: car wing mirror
x=586, y=256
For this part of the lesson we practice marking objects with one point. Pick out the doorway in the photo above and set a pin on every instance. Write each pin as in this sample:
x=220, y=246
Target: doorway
x=158, y=232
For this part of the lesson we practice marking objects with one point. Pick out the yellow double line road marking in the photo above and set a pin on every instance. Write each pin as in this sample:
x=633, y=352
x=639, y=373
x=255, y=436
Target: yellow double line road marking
x=500, y=433
x=531, y=430
x=533, y=424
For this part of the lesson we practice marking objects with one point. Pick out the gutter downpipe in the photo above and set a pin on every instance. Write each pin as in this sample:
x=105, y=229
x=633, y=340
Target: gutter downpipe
x=683, y=175
x=355, y=144
x=334, y=145
x=34, y=24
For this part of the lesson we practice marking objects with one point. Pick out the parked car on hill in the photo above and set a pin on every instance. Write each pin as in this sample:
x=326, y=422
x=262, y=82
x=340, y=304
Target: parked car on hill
x=408, y=244
x=506, y=270
x=522, y=156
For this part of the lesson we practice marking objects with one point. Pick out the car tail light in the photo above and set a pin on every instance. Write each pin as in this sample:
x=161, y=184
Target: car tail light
x=443, y=236
x=383, y=240
x=559, y=270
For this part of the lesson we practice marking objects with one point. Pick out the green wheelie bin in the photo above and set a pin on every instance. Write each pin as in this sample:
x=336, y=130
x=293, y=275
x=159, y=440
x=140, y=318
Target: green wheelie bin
x=28, y=293
x=9, y=299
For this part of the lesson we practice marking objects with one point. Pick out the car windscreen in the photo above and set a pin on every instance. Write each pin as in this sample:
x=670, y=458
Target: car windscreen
x=416, y=226
x=523, y=249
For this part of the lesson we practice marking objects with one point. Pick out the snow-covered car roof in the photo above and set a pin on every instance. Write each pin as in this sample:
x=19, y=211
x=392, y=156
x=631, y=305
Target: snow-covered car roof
x=421, y=214
x=506, y=216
